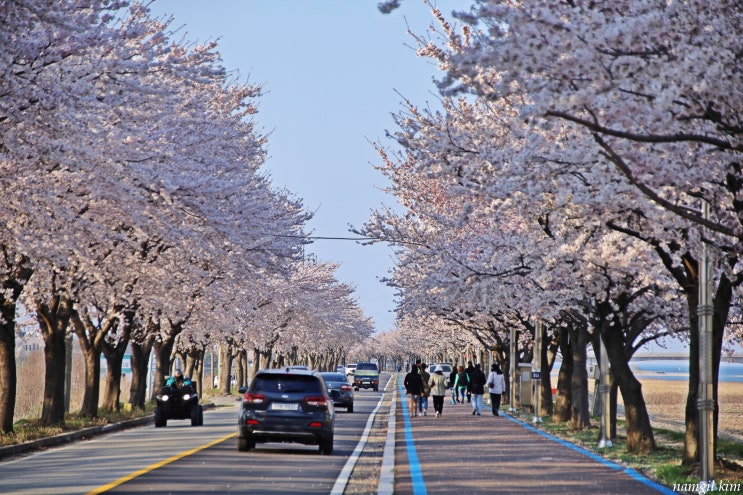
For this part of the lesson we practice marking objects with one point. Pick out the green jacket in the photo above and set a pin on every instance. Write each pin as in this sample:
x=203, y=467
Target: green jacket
x=462, y=380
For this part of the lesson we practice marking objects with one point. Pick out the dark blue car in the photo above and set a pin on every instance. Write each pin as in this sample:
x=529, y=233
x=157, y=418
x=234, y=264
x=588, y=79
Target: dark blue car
x=286, y=405
x=341, y=392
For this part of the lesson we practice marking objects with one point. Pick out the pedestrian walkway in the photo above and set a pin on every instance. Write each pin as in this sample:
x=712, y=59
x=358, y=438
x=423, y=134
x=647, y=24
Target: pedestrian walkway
x=465, y=454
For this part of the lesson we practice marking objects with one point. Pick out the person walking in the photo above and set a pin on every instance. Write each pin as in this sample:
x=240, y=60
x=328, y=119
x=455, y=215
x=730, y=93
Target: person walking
x=438, y=390
x=496, y=386
x=462, y=383
x=425, y=391
x=413, y=387
x=454, y=392
x=477, y=389
x=468, y=370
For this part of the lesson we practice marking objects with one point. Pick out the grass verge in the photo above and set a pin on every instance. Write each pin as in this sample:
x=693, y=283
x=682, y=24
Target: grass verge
x=664, y=464
x=27, y=430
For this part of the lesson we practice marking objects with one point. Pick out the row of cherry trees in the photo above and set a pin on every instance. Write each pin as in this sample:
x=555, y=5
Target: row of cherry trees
x=562, y=179
x=135, y=210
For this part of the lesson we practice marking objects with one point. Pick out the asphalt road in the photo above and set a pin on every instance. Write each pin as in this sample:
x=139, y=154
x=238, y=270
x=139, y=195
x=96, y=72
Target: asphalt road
x=184, y=459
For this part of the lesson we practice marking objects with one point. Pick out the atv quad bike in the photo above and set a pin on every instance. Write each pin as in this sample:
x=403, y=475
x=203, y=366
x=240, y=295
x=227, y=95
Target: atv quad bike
x=178, y=403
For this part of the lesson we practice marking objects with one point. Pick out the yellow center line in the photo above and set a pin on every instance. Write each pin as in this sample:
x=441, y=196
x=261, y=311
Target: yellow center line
x=157, y=465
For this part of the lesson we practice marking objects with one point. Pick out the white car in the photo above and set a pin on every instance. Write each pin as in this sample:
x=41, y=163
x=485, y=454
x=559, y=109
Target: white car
x=350, y=369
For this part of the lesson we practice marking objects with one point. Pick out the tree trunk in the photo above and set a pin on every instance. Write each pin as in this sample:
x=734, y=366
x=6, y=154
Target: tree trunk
x=563, y=402
x=8, y=376
x=240, y=371
x=16, y=277
x=246, y=365
x=197, y=373
x=163, y=350
x=256, y=360
x=140, y=364
x=225, y=369
x=91, y=396
x=580, y=417
x=53, y=321
x=114, y=353
x=640, y=437
x=691, y=414
x=90, y=337
x=545, y=380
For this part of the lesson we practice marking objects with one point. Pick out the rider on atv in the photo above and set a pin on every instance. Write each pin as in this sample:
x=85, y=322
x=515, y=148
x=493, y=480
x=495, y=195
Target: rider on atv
x=178, y=380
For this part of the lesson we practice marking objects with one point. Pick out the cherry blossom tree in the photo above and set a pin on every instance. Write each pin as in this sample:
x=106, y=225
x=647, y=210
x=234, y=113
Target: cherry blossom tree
x=484, y=212
x=150, y=162
x=657, y=88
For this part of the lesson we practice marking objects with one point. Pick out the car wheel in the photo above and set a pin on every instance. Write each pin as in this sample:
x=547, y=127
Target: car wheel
x=326, y=445
x=245, y=444
x=376, y=389
x=349, y=409
x=159, y=418
x=201, y=416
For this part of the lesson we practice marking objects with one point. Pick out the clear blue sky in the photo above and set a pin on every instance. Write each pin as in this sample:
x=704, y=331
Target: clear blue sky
x=332, y=71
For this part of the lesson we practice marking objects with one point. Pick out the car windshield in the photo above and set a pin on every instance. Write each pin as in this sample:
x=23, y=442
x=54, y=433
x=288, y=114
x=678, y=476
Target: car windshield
x=366, y=366
x=287, y=384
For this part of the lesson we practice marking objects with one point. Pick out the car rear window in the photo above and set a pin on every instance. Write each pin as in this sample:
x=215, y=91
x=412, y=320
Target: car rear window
x=334, y=377
x=366, y=366
x=287, y=384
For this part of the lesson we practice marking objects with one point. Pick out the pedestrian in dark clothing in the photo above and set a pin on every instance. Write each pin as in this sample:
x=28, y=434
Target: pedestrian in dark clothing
x=423, y=399
x=477, y=389
x=413, y=388
x=468, y=370
x=496, y=386
x=454, y=391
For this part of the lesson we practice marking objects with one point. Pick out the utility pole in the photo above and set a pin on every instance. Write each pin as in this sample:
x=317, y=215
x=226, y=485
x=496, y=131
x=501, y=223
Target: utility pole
x=536, y=374
x=705, y=400
x=512, y=372
x=68, y=372
x=605, y=394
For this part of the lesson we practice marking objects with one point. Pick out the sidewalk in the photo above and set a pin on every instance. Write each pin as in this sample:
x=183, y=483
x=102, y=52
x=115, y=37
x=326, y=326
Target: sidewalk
x=465, y=454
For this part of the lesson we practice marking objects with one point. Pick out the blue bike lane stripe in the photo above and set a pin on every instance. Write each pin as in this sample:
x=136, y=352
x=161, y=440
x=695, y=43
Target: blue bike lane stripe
x=416, y=475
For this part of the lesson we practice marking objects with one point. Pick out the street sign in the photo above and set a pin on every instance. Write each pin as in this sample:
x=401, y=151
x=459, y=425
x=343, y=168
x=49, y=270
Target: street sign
x=536, y=375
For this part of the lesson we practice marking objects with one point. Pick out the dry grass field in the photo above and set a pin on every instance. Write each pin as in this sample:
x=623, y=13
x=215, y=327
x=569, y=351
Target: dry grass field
x=666, y=400
x=30, y=386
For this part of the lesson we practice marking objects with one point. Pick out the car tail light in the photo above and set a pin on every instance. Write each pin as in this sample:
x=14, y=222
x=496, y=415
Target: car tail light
x=254, y=398
x=316, y=424
x=346, y=388
x=318, y=401
x=251, y=422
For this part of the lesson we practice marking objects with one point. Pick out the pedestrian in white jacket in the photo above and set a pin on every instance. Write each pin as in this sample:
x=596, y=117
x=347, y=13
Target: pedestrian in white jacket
x=438, y=390
x=496, y=386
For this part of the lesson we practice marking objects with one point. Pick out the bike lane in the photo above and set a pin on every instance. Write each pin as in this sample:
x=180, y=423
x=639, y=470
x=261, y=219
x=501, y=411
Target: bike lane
x=465, y=454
